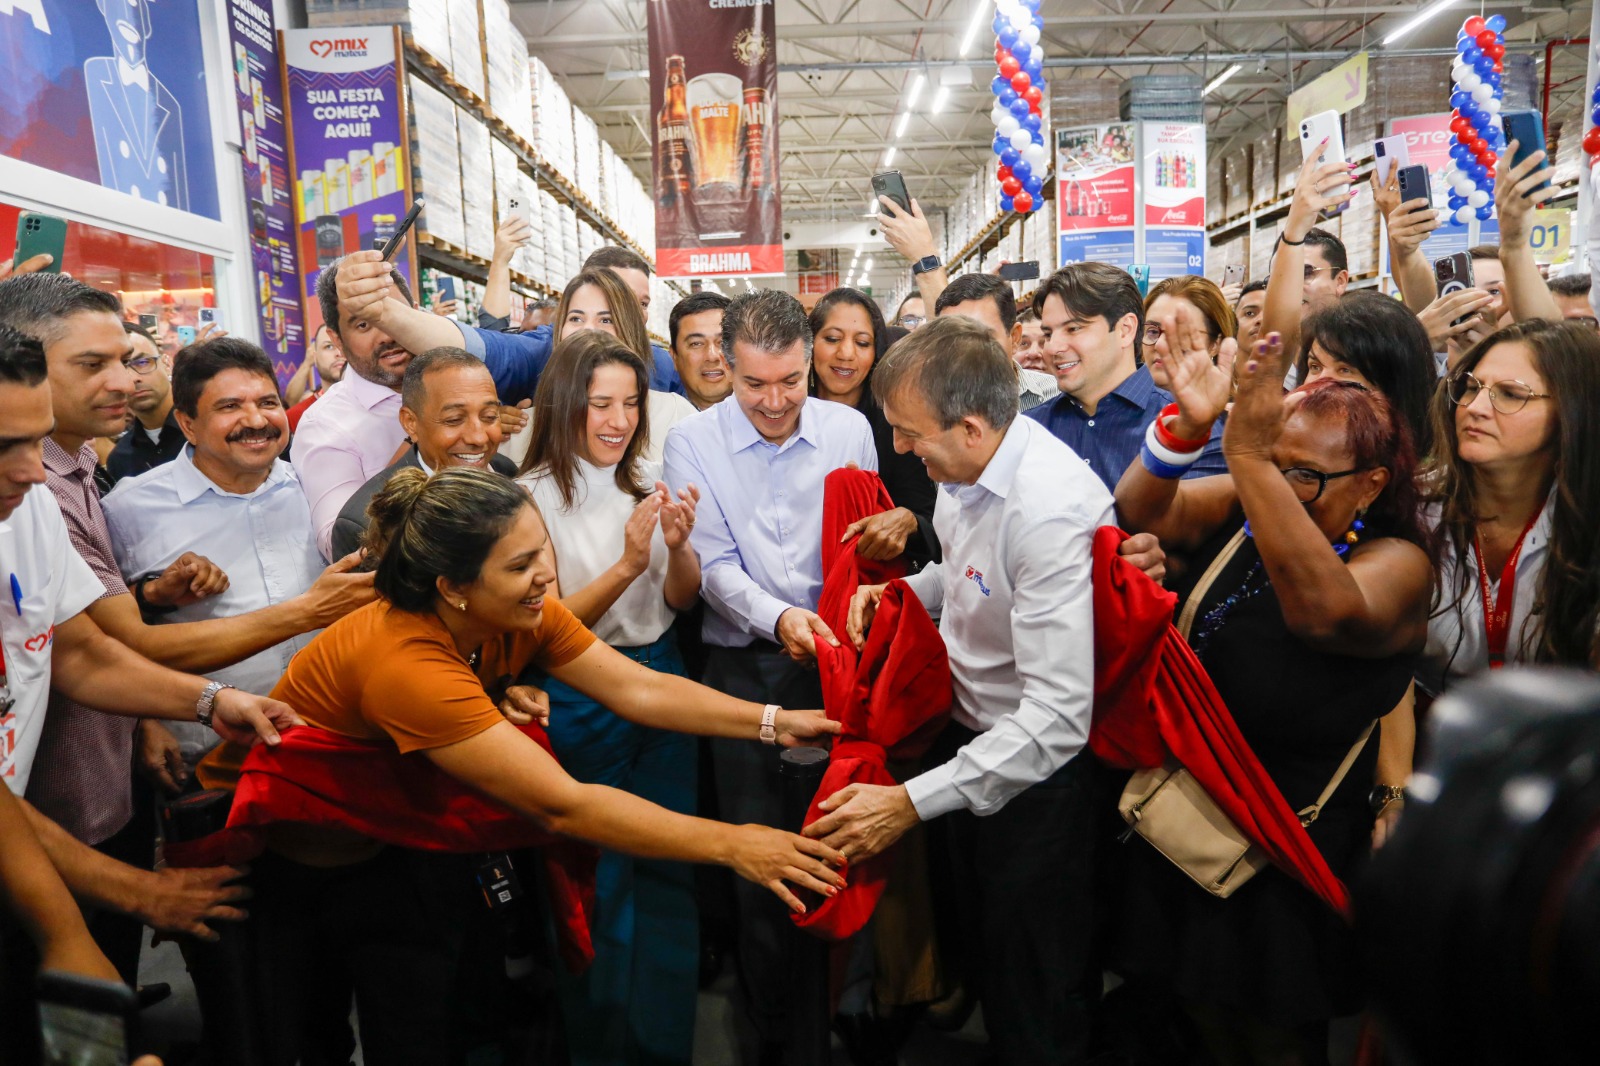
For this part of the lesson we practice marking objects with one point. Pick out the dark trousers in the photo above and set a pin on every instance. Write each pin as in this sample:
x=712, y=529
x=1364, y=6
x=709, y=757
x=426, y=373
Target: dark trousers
x=748, y=790
x=118, y=935
x=1016, y=889
x=411, y=932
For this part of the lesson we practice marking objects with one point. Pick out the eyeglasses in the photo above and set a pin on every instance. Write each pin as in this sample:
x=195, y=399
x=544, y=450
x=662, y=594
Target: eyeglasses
x=1153, y=333
x=141, y=364
x=1507, y=397
x=1312, y=271
x=911, y=321
x=1309, y=484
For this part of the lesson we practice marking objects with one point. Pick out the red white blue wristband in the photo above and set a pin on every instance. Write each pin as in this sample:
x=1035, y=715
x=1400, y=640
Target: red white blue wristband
x=1166, y=455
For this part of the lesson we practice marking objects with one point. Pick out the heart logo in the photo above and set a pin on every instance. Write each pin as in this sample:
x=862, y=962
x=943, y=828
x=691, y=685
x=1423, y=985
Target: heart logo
x=321, y=49
x=37, y=643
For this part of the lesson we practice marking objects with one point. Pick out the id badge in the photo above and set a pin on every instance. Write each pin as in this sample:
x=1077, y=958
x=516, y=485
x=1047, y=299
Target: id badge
x=497, y=880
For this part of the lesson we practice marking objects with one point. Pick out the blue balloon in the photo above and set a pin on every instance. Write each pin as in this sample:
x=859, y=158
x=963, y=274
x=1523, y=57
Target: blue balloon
x=1007, y=204
x=1008, y=96
x=1460, y=152
x=1596, y=97
x=1022, y=171
x=1000, y=85
x=999, y=24
x=1483, y=65
x=1031, y=5
x=1469, y=110
x=1457, y=202
x=1019, y=107
x=1477, y=172
x=1594, y=116
x=1000, y=144
x=1497, y=23
x=1032, y=123
x=1010, y=156
x=1033, y=184
x=1458, y=100
x=1008, y=37
x=1485, y=213
x=1034, y=68
x=1471, y=53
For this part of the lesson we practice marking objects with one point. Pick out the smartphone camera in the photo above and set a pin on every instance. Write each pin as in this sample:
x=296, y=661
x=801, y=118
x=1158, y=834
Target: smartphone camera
x=32, y=225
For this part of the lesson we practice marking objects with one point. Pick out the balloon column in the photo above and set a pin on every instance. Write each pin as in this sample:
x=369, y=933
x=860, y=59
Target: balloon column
x=1019, y=138
x=1591, y=140
x=1475, y=117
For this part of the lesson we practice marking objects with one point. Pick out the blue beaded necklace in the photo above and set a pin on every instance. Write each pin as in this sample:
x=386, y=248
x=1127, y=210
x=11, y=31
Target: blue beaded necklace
x=1216, y=617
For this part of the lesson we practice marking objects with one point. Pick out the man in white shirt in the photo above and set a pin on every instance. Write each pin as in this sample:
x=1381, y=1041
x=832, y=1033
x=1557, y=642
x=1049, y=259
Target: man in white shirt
x=228, y=497
x=759, y=459
x=48, y=637
x=1016, y=518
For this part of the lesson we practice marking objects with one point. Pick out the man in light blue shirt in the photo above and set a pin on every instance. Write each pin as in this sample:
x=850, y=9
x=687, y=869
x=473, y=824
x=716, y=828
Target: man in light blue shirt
x=226, y=497
x=759, y=458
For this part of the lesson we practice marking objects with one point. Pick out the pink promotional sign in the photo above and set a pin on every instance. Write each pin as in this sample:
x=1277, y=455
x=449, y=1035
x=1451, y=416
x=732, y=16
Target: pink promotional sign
x=1428, y=140
x=1095, y=179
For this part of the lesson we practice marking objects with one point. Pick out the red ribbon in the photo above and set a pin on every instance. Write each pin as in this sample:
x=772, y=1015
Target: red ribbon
x=1497, y=614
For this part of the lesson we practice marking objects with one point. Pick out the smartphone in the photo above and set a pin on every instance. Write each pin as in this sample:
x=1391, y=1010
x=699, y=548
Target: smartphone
x=208, y=316
x=41, y=235
x=149, y=323
x=444, y=287
x=1389, y=153
x=330, y=239
x=1026, y=271
x=517, y=207
x=1314, y=128
x=186, y=335
x=1527, y=129
x=892, y=185
x=1415, y=184
x=83, y=1021
x=1233, y=274
x=1454, y=273
x=392, y=245
x=1141, y=277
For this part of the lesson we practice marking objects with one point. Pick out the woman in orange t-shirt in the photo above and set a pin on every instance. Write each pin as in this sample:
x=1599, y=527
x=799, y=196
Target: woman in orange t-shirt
x=463, y=570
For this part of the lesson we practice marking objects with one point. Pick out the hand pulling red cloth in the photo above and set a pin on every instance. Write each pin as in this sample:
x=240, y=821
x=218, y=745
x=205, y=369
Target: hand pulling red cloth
x=1152, y=698
x=892, y=699
x=317, y=777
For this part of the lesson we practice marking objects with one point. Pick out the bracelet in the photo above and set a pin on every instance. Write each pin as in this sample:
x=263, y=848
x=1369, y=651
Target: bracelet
x=1171, y=439
x=1161, y=470
x=1166, y=455
x=1292, y=244
x=769, y=716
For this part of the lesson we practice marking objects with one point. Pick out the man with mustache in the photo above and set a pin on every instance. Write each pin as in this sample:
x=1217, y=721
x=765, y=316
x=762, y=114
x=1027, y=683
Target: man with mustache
x=451, y=415
x=353, y=431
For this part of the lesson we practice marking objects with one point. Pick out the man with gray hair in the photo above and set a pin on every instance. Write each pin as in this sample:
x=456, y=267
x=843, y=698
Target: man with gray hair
x=759, y=463
x=1016, y=522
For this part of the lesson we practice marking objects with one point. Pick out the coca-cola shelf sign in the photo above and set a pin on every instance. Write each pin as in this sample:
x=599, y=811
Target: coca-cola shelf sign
x=713, y=91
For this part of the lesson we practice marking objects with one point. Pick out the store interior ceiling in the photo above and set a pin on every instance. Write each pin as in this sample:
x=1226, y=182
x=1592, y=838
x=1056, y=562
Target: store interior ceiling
x=850, y=68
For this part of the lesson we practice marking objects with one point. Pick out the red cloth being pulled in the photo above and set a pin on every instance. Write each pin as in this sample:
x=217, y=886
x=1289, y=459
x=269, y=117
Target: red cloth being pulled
x=1152, y=698
x=891, y=699
x=317, y=777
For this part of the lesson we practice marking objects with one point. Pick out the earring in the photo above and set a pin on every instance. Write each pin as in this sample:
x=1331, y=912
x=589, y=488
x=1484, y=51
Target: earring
x=462, y=606
x=1355, y=529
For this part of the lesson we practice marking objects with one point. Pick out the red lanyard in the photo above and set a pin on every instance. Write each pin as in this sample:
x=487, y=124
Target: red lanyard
x=1497, y=615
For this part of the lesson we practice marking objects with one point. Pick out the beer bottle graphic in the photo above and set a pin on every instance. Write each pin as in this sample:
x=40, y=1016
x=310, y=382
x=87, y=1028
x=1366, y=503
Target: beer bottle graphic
x=672, y=134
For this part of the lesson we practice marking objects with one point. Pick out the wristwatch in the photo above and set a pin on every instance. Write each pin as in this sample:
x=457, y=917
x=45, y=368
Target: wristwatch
x=1383, y=795
x=139, y=597
x=925, y=264
x=769, y=716
x=208, y=697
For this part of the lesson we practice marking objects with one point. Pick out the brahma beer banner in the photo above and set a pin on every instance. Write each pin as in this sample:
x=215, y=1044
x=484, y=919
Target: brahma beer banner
x=713, y=93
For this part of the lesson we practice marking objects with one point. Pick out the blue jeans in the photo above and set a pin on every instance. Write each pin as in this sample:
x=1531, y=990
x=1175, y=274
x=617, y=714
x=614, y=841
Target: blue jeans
x=636, y=1003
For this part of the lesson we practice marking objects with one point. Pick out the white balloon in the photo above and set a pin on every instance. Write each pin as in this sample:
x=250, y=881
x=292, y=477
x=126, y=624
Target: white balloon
x=1477, y=198
x=1459, y=71
x=1463, y=186
x=1493, y=105
x=1037, y=155
x=1470, y=80
x=1465, y=214
x=1021, y=139
x=997, y=114
x=1008, y=125
x=1483, y=93
x=1031, y=34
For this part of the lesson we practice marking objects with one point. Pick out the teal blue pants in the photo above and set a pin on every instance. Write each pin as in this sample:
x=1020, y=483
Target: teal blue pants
x=635, y=1006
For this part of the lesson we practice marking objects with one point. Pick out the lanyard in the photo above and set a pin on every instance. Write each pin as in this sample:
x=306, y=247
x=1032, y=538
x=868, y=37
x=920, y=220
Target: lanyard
x=1497, y=614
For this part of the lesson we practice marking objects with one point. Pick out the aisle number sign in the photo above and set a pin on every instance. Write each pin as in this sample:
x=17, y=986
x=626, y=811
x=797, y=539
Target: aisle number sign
x=1342, y=89
x=1551, y=236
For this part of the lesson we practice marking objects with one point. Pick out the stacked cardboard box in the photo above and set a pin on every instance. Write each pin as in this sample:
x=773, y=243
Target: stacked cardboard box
x=506, y=56
x=477, y=184
x=552, y=119
x=436, y=163
x=466, y=45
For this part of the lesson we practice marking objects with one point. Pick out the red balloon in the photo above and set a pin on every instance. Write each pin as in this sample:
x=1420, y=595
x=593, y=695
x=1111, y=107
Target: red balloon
x=1011, y=186
x=1485, y=38
x=1020, y=81
x=1466, y=136
x=1591, y=140
x=1460, y=125
x=1034, y=98
x=1474, y=25
x=1022, y=202
x=1489, y=175
x=1009, y=67
x=1495, y=52
x=1478, y=144
x=1499, y=66
x=1003, y=173
x=1490, y=158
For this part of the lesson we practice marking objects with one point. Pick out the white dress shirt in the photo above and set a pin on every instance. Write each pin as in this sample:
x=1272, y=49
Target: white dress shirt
x=46, y=583
x=1458, y=641
x=758, y=528
x=1017, y=617
x=344, y=438
x=589, y=540
x=262, y=540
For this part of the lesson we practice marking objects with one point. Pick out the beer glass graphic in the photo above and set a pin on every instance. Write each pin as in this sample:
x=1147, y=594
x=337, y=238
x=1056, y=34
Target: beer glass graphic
x=715, y=115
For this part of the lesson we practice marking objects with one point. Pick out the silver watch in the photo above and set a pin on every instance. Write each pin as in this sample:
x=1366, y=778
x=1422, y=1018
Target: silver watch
x=208, y=696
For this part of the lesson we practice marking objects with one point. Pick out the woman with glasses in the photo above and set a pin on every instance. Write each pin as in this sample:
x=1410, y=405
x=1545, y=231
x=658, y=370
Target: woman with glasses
x=1311, y=582
x=1201, y=298
x=1515, y=492
x=849, y=336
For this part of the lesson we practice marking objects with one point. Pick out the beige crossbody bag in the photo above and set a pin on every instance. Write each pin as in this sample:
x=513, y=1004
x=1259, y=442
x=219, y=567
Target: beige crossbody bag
x=1167, y=807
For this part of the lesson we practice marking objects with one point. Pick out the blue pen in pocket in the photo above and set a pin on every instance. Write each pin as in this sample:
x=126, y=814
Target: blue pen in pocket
x=16, y=594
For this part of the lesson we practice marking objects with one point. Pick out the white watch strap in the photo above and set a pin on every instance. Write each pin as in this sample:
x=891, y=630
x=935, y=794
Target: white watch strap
x=769, y=716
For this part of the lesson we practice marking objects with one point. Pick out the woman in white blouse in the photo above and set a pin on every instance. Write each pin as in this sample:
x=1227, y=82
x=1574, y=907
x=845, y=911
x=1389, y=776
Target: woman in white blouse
x=624, y=566
x=1516, y=493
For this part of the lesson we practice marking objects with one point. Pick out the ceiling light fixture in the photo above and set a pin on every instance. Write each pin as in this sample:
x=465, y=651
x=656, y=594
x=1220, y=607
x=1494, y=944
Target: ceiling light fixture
x=980, y=9
x=916, y=91
x=888, y=157
x=1417, y=20
x=867, y=267
x=1215, y=83
x=940, y=98
x=905, y=120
